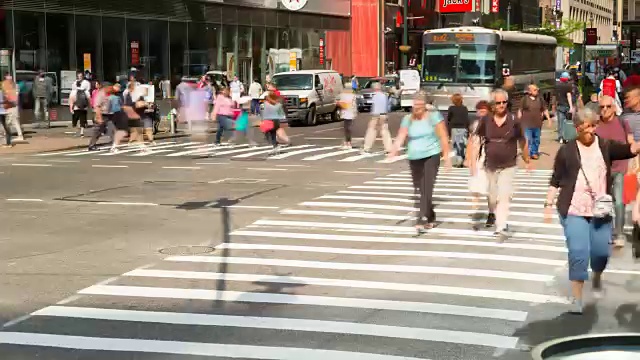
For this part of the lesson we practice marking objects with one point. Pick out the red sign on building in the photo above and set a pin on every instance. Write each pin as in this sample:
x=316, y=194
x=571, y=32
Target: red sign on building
x=455, y=6
x=592, y=36
x=495, y=6
x=321, y=51
x=135, y=53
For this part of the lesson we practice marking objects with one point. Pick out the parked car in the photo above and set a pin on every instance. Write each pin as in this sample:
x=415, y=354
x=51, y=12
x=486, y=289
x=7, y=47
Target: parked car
x=366, y=93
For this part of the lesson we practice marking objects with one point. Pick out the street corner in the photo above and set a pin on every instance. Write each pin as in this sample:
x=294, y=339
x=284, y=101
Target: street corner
x=43, y=143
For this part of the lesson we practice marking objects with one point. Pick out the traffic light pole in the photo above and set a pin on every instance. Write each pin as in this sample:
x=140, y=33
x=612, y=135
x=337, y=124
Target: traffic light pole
x=405, y=32
x=584, y=53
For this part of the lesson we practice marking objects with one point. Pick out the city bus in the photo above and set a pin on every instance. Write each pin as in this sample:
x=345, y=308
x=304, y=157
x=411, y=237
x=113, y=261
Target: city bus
x=471, y=61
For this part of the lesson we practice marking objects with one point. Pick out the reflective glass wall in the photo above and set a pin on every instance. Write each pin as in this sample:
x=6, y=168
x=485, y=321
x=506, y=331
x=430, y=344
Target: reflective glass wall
x=248, y=43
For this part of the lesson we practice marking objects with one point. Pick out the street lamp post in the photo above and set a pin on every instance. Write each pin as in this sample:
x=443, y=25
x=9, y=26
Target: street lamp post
x=509, y=16
x=584, y=51
x=405, y=32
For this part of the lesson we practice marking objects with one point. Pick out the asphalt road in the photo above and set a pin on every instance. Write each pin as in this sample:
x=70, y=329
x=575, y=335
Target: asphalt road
x=107, y=257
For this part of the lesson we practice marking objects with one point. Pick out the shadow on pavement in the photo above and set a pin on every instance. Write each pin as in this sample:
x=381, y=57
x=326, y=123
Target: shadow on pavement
x=567, y=324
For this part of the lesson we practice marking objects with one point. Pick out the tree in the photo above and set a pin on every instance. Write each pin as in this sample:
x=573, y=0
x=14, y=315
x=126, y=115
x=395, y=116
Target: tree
x=562, y=34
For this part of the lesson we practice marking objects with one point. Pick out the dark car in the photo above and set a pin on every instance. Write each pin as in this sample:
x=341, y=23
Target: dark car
x=365, y=94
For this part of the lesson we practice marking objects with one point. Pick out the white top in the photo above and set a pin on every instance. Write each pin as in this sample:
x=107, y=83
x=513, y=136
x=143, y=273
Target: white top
x=236, y=87
x=255, y=90
x=350, y=112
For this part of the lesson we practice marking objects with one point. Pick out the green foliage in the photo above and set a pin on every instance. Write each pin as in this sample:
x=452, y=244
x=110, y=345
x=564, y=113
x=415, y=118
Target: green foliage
x=562, y=34
x=491, y=21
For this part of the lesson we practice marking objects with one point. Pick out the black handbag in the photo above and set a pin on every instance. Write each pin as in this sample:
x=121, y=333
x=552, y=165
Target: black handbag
x=635, y=241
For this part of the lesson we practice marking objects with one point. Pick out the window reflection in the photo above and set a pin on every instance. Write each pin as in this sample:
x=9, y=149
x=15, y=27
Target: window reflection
x=228, y=41
x=29, y=41
x=137, y=47
x=244, y=59
x=59, y=36
x=158, y=60
x=213, y=45
x=178, y=51
x=257, y=53
x=88, y=53
x=113, y=43
x=198, y=53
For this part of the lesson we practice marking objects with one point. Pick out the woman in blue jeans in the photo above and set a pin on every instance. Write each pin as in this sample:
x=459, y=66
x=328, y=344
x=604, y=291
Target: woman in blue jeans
x=223, y=113
x=582, y=172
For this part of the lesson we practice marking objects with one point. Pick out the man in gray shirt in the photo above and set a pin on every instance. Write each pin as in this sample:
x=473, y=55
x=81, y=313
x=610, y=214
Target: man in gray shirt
x=632, y=103
x=42, y=90
x=379, y=106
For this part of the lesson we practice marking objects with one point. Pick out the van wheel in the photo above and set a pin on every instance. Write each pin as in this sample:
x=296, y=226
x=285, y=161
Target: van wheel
x=311, y=116
x=335, y=115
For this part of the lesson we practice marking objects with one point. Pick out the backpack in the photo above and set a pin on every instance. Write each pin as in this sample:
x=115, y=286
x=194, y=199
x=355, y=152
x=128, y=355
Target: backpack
x=81, y=99
x=609, y=87
x=115, y=105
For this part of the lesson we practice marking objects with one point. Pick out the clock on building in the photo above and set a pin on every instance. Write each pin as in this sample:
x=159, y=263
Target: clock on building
x=294, y=5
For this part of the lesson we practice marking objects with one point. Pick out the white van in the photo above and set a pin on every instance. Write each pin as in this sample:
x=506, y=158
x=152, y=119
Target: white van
x=310, y=94
x=410, y=85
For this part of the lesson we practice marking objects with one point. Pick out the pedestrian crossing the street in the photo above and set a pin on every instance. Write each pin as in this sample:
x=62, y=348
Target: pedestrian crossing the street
x=194, y=149
x=342, y=276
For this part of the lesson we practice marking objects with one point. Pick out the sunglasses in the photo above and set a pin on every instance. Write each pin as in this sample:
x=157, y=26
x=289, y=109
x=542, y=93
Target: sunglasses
x=606, y=106
x=501, y=102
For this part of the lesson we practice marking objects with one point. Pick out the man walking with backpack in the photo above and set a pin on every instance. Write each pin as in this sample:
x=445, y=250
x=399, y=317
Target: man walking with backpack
x=79, y=102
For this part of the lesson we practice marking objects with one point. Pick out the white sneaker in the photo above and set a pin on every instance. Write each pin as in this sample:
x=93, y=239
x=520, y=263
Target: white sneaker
x=114, y=150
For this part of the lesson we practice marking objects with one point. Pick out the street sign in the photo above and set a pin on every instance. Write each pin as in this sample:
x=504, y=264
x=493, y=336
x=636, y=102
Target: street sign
x=592, y=36
x=495, y=6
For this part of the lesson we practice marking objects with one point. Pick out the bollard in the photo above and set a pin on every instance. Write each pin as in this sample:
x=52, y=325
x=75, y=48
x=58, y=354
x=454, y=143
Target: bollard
x=621, y=346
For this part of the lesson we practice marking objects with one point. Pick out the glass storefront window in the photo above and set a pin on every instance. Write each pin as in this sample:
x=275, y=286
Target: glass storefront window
x=88, y=51
x=6, y=28
x=29, y=41
x=257, y=52
x=113, y=44
x=272, y=51
x=244, y=54
x=137, y=47
x=178, y=51
x=228, y=43
x=198, y=54
x=310, y=49
x=213, y=45
x=60, y=38
x=158, y=60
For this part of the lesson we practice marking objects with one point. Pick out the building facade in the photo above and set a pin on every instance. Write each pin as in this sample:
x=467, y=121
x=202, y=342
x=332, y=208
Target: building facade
x=594, y=13
x=176, y=38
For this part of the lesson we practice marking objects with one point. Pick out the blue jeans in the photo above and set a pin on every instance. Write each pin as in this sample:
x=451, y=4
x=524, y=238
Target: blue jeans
x=533, y=139
x=618, y=204
x=561, y=118
x=588, y=242
x=459, y=139
x=224, y=124
x=255, y=106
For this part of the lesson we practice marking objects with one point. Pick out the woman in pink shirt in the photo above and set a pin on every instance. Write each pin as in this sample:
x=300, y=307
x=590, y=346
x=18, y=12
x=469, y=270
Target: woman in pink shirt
x=223, y=113
x=94, y=96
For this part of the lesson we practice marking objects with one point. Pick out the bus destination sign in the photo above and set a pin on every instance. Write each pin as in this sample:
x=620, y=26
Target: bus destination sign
x=445, y=38
x=461, y=38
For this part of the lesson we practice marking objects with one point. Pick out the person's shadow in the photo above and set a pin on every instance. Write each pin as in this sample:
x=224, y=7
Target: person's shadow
x=628, y=317
x=567, y=324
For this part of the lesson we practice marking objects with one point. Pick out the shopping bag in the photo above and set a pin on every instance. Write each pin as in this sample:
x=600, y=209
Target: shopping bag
x=629, y=188
x=243, y=122
x=266, y=126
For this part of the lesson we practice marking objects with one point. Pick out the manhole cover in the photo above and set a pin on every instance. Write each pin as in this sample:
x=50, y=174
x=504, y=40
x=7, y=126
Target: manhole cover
x=187, y=250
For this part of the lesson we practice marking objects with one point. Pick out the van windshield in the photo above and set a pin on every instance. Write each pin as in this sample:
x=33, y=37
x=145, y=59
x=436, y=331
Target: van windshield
x=293, y=82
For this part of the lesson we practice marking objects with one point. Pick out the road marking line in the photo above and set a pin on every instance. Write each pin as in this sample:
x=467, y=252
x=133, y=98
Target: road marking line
x=381, y=169
x=26, y=200
x=211, y=163
x=151, y=152
x=322, y=138
x=444, y=183
x=404, y=229
x=62, y=152
x=214, y=153
x=411, y=208
x=352, y=172
x=362, y=156
x=64, y=161
x=410, y=201
x=362, y=215
x=398, y=240
x=188, y=348
x=109, y=166
x=279, y=165
x=327, y=130
x=182, y=167
x=136, y=162
x=375, y=252
x=331, y=154
x=33, y=165
x=435, y=289
x=127, y=203
x=244, y=156
x=393, y=159
x=201, y=149
x=267, y=169
x=252, y=207
x=135, y=148
x=291, y=324
x=411, y=195
x=438, y=189
x=414, y=269
x=303, y=151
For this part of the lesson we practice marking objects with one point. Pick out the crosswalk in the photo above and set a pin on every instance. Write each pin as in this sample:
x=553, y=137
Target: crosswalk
x=341, y=276
x=194, y=149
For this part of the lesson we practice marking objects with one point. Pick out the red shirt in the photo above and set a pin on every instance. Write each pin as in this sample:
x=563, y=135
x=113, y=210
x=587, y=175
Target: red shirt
x=633, y=80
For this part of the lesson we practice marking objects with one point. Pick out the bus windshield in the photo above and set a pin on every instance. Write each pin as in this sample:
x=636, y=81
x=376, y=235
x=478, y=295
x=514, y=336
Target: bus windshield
x=460, y=63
